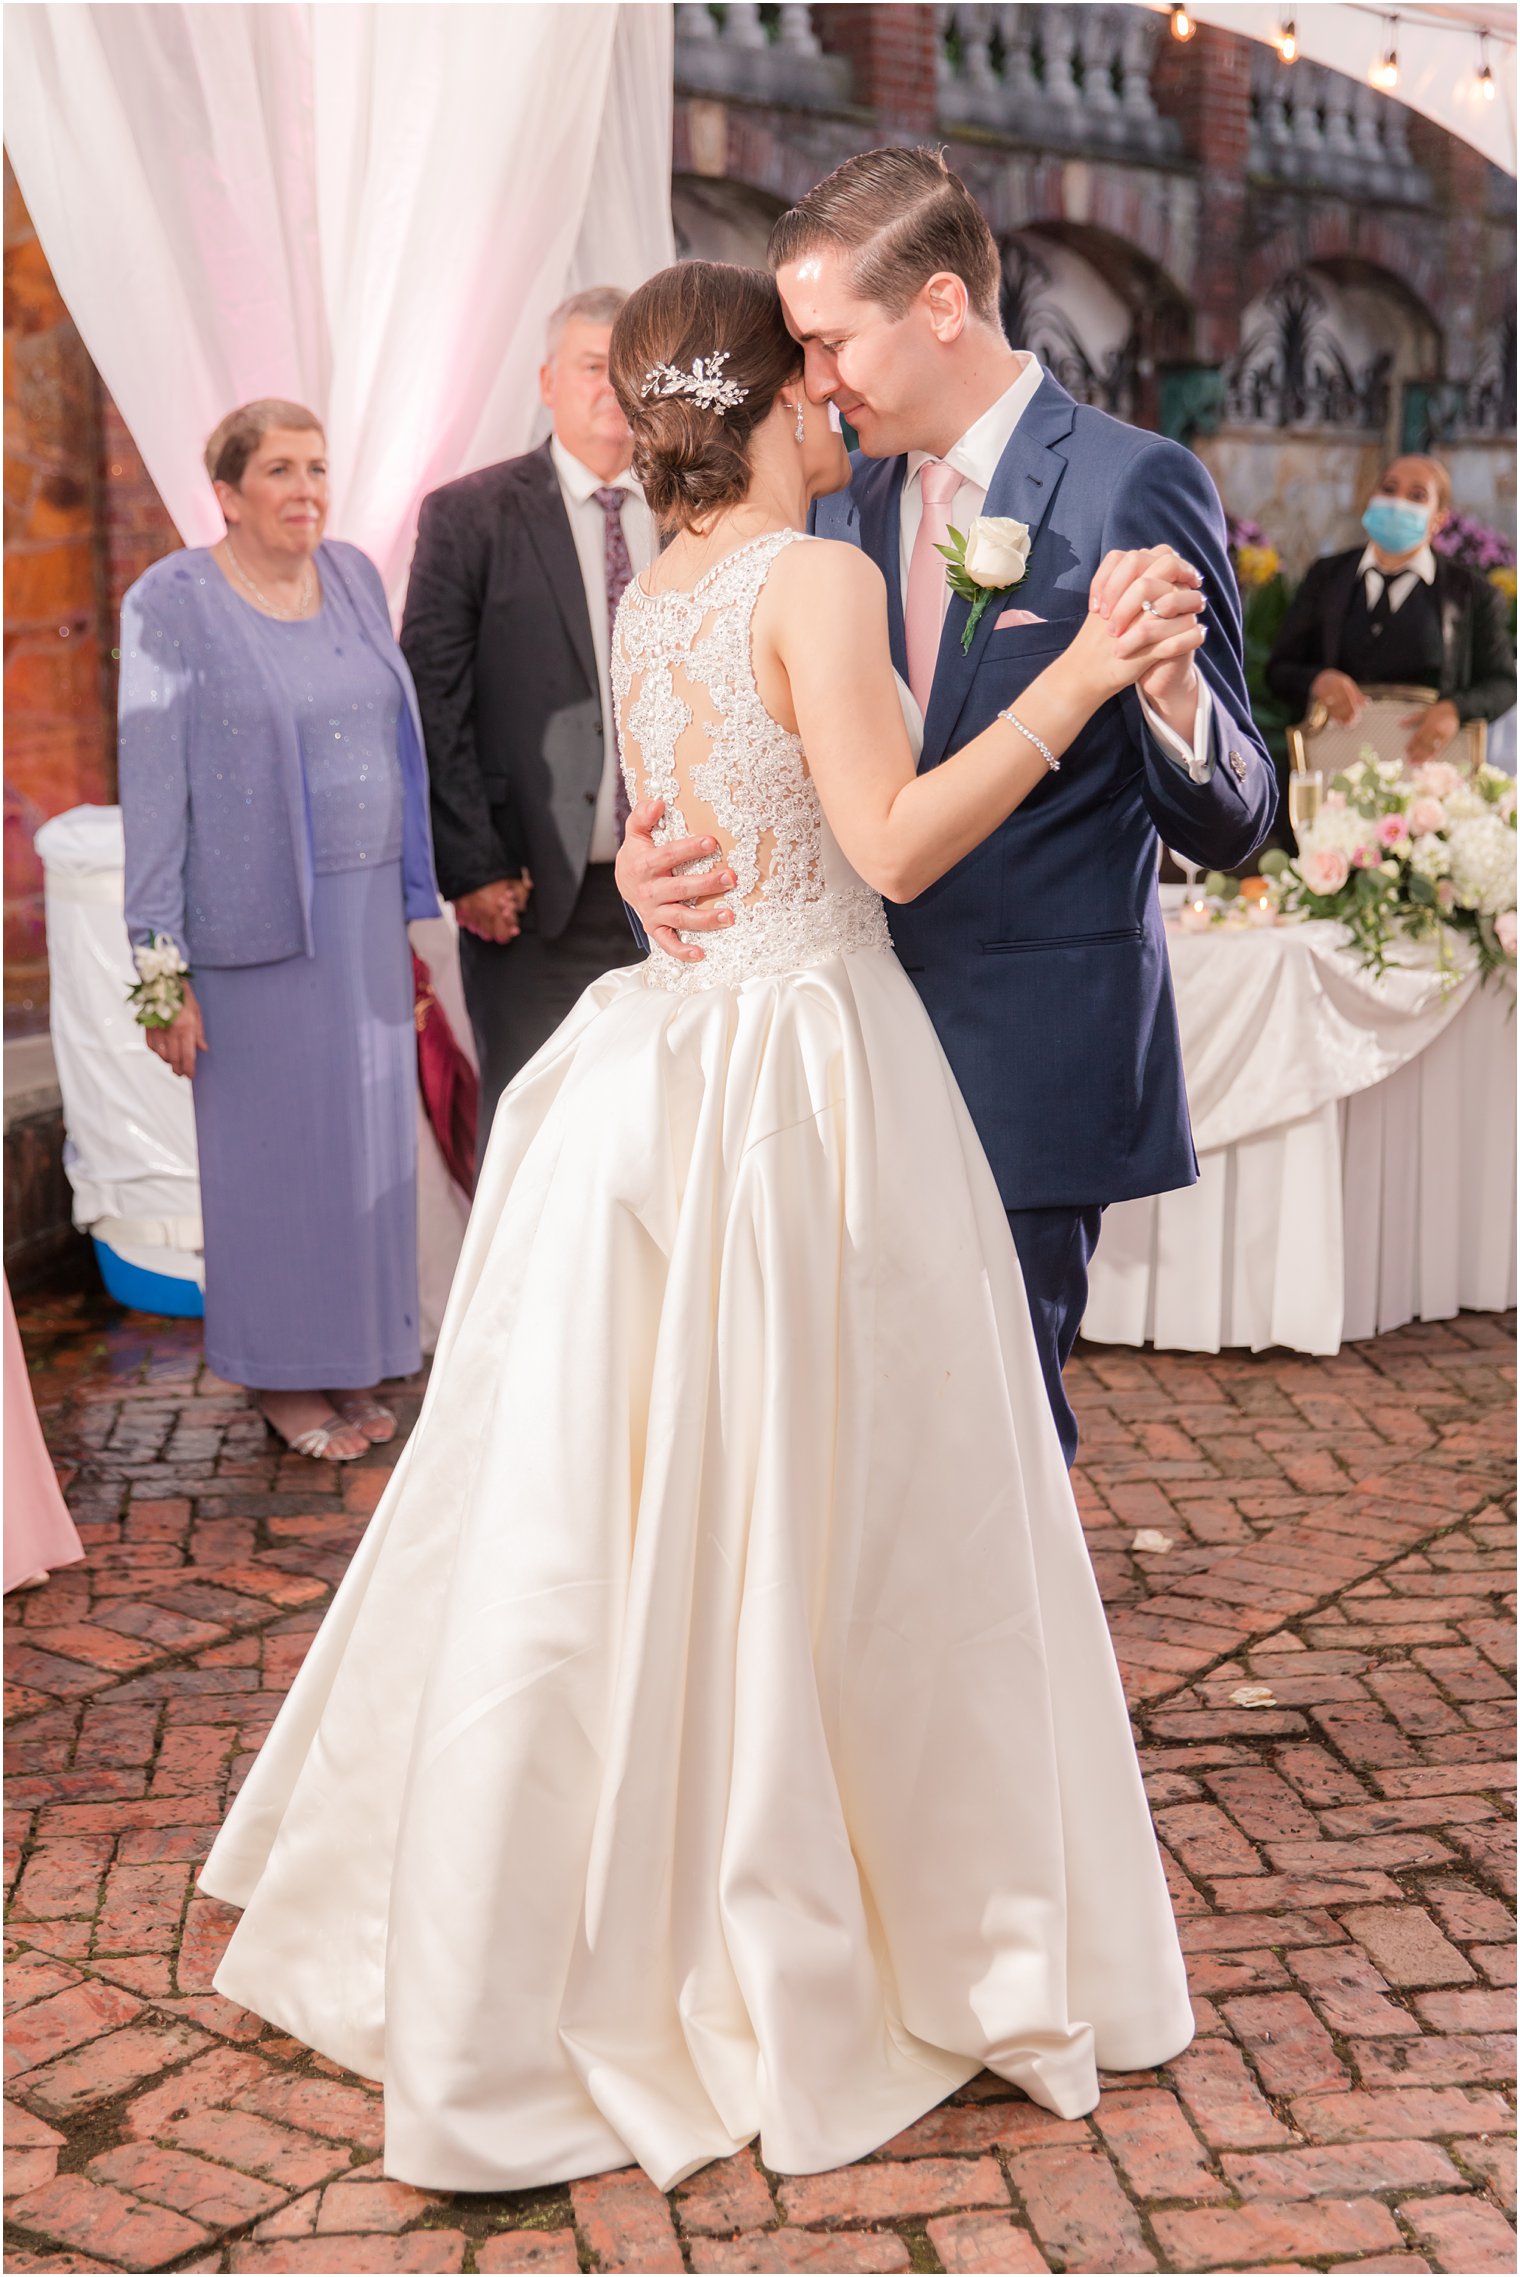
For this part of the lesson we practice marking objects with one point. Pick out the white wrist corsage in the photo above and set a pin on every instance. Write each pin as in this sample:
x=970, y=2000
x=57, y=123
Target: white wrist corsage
x=987, y=562
x=159, y=997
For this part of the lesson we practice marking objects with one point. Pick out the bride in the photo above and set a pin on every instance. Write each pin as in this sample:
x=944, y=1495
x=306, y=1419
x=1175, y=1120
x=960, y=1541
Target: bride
x=717, y=1734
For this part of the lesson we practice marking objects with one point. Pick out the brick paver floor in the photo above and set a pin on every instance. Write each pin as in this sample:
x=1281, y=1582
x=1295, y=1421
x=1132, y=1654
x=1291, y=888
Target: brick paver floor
x=1307, y=1565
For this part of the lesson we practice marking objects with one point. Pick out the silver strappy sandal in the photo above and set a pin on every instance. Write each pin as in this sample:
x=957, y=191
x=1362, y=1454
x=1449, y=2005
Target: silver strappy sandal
x=318, y=1441
x=368, y=1415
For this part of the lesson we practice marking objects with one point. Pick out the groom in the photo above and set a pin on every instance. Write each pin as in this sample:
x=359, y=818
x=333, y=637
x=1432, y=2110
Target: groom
x=1041, y=958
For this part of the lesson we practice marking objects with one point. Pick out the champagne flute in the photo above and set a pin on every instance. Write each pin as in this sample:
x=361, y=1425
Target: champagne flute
x=1306, y=791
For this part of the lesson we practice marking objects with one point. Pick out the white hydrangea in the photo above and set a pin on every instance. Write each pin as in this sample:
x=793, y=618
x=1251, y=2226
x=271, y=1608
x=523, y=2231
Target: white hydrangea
x=1338, y=826
x=1430, y=856
x=1483, y=863
x=1464, y=804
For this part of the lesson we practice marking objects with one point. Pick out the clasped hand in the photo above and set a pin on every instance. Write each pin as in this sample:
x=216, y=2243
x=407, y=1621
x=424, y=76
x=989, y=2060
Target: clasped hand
x=1143, y=598
x=494, y=912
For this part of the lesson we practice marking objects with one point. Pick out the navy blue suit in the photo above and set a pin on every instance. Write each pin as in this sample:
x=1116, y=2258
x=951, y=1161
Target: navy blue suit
x=1041, y=957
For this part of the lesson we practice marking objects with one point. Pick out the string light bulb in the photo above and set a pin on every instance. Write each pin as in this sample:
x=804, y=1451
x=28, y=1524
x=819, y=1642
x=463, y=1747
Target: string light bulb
x=1485, y=75
x=1286, y=40
x=1183, y=26
x=1385, y=72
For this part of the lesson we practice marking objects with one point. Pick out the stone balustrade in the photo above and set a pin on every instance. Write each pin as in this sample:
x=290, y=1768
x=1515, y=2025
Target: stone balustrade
x=1324, y=129
x=1065, y=77
x=770, y=55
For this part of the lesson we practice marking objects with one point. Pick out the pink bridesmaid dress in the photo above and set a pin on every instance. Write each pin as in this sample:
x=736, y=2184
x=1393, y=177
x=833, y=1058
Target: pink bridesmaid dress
x=39, y=1533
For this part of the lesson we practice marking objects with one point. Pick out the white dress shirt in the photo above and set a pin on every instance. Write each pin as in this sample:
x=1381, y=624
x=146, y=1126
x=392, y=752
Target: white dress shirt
x=588, y=526
x=1420, y=571
x=975, y=459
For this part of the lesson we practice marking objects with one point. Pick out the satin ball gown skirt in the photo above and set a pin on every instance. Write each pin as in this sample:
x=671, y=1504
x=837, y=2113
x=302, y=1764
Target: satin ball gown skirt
x=717, y=1733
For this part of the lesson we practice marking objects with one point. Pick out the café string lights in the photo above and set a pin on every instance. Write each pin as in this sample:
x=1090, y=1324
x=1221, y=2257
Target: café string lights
x=1486, y=87
x=1385, y=72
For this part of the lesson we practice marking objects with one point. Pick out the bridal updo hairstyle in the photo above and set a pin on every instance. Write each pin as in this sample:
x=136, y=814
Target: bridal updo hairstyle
x=691, y=461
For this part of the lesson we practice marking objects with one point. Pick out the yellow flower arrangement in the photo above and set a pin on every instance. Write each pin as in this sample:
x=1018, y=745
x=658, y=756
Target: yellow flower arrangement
x=1256, y=565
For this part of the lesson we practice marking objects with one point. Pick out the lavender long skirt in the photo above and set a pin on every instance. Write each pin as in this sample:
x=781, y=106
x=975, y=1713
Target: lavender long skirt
x=306, y=1123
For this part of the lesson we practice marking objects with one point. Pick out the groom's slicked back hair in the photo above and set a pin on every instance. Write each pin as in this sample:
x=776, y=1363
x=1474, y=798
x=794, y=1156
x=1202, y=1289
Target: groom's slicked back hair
x=904, y=217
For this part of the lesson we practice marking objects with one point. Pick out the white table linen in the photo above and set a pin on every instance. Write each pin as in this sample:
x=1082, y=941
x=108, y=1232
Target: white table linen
x=1356, y=1145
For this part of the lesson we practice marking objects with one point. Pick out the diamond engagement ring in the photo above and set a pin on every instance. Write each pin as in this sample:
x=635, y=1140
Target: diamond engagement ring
x=1150, y=608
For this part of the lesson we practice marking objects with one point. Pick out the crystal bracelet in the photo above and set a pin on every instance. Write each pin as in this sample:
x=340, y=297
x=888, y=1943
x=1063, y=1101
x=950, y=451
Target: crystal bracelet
x=1028, y=733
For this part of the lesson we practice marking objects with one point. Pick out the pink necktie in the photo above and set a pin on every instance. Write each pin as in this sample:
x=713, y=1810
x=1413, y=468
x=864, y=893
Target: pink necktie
x=927, y=590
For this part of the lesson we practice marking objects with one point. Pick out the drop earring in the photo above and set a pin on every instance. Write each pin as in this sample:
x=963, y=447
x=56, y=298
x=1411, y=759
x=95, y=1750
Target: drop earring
x=801, y=434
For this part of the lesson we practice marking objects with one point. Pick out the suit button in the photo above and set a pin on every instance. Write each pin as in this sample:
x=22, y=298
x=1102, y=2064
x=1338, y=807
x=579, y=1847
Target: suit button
x=590, y=797
x=1239, y=766
x=599, y=728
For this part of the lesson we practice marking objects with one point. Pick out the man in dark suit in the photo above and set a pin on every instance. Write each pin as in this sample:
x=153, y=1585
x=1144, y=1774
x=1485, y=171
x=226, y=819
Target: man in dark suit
x=1041, y=958
x=517, y=574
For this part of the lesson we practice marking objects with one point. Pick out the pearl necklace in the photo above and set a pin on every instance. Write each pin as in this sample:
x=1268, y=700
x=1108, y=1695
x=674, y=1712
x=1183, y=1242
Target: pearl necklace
x=303, y=607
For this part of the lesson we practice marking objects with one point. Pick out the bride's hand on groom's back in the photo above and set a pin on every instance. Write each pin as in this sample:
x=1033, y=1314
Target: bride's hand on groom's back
x=661, y=901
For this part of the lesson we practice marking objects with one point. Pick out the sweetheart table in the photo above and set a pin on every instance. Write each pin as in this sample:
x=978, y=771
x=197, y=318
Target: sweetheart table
x=1356, y=1152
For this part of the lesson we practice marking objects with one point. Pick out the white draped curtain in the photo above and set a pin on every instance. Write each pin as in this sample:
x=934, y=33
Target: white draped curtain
x=371, y=209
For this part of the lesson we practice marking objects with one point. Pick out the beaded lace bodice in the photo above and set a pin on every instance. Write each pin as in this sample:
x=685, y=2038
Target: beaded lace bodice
x=693, y=731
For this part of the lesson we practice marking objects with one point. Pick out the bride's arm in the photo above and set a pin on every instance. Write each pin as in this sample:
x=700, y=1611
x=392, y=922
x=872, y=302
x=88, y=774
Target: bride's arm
x=822, y=626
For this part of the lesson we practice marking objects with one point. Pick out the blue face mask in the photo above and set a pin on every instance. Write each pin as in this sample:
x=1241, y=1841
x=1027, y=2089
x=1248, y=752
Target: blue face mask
x=1396, y=525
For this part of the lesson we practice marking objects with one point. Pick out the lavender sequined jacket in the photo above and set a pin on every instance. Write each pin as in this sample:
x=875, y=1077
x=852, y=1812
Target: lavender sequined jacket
x=213, y=792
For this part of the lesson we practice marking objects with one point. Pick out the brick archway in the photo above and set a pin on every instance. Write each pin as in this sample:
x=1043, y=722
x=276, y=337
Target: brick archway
x=1324, y=235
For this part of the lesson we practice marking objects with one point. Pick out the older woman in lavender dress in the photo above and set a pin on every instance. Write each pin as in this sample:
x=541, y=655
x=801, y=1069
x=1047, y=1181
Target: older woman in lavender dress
x=274, y=796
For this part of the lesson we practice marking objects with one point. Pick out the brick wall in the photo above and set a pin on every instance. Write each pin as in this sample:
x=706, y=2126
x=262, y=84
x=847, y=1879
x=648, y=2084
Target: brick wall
x=55, y=738
x=81, y=521
x=1205, y=85
x=892, y=51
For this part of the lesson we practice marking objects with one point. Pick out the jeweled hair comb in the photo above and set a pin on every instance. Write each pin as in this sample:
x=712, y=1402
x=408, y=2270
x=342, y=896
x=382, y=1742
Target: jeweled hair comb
x=704, y=383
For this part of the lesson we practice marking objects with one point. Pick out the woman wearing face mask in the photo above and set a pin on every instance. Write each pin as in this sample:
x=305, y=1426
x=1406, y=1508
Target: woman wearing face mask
x=1395, y=612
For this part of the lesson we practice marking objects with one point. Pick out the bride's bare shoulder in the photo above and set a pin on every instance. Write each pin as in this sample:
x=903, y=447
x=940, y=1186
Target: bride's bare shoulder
x=827, y=573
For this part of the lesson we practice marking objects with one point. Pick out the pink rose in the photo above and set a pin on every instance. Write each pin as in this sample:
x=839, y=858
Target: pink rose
x=1505, y=927
x=1365, y=857
x=1425, y=815
x=1325, y=869
x=1446, y=896
x=1439, y=778
x=1392, y=830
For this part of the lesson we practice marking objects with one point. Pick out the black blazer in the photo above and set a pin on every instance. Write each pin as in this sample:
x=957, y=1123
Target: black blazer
x=498, y=639
x=1477, y=654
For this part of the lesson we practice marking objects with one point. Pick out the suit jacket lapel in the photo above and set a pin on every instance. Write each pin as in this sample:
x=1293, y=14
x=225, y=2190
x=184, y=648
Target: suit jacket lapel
x=1026, y=480
x=879, y=494
x=548, y=527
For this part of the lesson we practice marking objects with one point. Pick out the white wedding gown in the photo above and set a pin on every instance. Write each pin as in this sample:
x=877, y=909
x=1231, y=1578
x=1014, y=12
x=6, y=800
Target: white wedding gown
x=717, y=1733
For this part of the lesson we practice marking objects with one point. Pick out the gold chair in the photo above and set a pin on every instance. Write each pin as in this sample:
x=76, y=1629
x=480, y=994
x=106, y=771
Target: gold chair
x=1320, y=742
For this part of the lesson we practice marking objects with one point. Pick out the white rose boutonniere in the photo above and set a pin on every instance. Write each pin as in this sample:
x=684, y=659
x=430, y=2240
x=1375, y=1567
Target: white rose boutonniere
x=987, y=562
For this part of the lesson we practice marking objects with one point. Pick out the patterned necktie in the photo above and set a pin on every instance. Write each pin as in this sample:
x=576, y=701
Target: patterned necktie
x=924, y=614
x=619, y=570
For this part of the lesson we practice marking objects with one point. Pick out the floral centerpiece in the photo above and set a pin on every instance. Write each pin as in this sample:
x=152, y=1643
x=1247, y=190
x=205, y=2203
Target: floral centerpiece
x=1418, y=855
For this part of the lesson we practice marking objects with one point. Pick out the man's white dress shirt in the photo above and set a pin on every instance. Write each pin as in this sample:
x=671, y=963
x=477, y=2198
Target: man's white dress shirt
x=975, y=459
x=588, y=526
x=1420, y=571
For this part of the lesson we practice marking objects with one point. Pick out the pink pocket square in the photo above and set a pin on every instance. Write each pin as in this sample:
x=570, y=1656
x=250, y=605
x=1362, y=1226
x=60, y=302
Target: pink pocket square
x=1012, y=617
